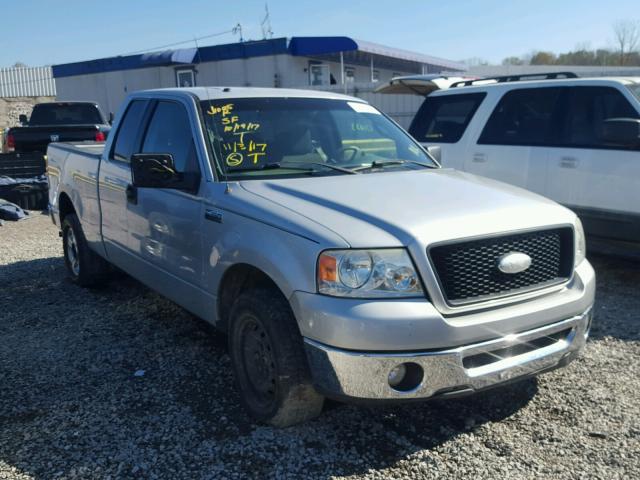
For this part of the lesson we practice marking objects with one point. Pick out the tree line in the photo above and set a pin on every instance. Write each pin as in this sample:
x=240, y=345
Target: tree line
x=625, y=51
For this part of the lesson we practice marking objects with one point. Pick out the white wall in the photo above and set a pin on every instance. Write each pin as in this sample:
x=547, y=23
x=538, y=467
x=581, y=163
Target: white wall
x=109, y=89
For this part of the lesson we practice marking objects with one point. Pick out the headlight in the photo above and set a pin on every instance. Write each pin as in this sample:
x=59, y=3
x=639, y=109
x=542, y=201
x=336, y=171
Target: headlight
x=368, y=274
x=581, y=243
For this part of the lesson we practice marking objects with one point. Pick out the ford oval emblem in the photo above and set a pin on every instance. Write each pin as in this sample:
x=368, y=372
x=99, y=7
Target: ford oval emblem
x=514, y=262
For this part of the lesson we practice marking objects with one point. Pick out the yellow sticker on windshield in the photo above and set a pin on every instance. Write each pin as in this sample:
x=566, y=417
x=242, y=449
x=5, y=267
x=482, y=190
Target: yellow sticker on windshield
x=234, y=159
x=223, y=109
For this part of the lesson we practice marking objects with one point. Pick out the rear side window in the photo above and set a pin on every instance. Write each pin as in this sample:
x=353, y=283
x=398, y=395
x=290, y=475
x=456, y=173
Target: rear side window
x=588, y=108
x=443, y=119
x=169, y=131
x=523, y=117
x=129, y=131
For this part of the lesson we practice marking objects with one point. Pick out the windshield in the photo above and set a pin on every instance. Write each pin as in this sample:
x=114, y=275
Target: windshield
x=65, y=114
x=268, y=137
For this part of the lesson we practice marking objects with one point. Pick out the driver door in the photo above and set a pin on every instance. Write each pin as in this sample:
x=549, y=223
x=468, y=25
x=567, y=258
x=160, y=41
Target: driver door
x=165, y=224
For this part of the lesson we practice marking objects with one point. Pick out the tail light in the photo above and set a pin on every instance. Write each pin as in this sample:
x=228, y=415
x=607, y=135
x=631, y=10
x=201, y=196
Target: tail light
x=11, y=142
x=100, y=137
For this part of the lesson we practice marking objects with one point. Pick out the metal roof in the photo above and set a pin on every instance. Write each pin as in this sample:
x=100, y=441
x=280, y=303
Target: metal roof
x=217, y=93
x=27, y=82
x=296, y=46
x=377, y=49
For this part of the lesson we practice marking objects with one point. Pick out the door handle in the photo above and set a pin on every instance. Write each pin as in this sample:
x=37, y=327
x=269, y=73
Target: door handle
x=214, y=215
x=568, y=162
x=132, y=194
x=479, y=158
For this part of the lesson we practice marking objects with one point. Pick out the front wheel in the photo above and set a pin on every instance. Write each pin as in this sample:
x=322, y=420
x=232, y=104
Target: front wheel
x=269, y=361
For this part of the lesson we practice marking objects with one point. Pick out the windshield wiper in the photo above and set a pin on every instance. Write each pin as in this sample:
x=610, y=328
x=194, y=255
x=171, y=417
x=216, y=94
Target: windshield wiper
x=387, y=163
x=285, y=165
x=320, y=164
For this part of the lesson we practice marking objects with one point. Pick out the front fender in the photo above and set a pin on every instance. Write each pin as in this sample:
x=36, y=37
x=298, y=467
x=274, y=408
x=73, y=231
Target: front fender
x=288, y=259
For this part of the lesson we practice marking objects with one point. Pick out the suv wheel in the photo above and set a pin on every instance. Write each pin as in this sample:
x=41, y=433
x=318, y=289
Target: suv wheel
x=269, y=362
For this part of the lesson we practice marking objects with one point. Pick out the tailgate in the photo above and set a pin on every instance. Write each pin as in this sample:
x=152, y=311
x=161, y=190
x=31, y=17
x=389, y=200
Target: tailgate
x=36, y=139
x=22, y=165
x=418, y=84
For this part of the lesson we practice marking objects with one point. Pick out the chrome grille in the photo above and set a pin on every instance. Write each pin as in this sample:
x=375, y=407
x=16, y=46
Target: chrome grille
x=468, y=271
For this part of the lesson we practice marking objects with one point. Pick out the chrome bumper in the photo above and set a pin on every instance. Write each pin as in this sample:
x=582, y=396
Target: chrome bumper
x=361, y=375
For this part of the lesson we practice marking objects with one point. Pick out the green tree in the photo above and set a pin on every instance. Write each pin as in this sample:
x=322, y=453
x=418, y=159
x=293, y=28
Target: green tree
x=543, y=58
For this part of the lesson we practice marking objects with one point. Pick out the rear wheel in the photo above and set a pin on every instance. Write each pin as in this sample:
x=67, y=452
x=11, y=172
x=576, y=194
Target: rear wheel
x=269, y=362
x=84, y=267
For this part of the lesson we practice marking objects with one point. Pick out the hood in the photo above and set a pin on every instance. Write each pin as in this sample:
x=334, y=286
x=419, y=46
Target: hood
x=404, y=207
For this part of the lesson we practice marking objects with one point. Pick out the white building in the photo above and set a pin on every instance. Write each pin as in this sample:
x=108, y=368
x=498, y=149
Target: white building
x=339, y=63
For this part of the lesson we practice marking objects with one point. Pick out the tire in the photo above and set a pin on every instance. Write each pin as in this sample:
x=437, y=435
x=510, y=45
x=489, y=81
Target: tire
x=269, y=361
x=84, y=267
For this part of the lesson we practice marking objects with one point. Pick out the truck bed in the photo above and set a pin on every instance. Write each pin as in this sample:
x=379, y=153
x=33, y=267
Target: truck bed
x=89, y=149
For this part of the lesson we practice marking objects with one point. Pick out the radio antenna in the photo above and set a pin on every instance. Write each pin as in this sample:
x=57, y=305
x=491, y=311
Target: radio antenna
x=238, y=29
x=266, y=24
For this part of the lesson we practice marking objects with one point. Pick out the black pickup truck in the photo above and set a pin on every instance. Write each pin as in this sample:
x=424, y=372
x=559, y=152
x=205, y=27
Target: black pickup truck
x=58, y=122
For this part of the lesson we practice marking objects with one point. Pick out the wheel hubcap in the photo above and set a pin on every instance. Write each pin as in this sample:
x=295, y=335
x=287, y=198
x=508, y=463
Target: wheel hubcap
x=259, y=363
x=72, y=252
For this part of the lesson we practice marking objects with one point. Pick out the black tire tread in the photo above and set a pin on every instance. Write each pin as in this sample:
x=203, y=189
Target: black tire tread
x=300, y=401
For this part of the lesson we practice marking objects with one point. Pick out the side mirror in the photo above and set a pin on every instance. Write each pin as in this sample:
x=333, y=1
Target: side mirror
x=110, y=118
x=622, y=132
x=23, y=119
x=157, y=170
x=436, y=152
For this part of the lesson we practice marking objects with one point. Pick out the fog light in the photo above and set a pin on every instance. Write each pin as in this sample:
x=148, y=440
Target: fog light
x=396, y=375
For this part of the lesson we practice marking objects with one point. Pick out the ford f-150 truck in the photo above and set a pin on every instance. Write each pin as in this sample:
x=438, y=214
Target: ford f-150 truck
x=58, y=122
x=338, y=256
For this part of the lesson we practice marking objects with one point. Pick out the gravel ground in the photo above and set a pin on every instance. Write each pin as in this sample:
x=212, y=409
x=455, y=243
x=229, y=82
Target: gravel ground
x=119, y=382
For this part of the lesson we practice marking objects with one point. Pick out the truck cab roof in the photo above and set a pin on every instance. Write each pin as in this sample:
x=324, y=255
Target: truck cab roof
x=221, y=92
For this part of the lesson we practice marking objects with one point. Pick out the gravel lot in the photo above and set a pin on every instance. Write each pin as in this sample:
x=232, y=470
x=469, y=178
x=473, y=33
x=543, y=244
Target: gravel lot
x=119, y=382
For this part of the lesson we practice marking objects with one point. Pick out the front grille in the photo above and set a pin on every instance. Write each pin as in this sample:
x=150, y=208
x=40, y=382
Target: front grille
x=468, y=271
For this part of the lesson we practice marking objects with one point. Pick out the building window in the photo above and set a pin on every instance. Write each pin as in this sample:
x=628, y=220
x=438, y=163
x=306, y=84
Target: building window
x=186, y=78
x=319, y=74
x=349, y=74
x=375, y=76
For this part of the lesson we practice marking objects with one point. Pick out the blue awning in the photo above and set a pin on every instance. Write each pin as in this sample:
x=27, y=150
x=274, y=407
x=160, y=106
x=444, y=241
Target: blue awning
x=129, y=62
x=301, y=46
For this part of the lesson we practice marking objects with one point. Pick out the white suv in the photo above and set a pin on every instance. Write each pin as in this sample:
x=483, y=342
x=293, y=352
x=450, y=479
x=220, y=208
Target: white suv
x=574, y=140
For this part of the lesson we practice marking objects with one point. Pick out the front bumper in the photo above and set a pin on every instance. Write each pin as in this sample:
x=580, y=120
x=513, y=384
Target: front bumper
x=359, y=375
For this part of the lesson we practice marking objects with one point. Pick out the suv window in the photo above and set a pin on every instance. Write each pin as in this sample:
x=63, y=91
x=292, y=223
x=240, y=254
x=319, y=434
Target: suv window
x=169, y=132
x=587, y=109
x=129, y=130
x=523, y=117
x=443, y=119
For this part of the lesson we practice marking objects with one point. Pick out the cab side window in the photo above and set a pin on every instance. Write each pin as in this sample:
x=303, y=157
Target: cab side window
x=169, y=131
x=587, y=110
x=443, y=119
x=523, y=117
x=129, y=131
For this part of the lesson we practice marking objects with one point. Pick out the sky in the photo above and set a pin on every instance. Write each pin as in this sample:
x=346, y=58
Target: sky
x=44, y=32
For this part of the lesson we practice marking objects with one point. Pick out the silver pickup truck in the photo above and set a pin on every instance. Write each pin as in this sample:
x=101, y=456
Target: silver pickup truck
x=338, y=256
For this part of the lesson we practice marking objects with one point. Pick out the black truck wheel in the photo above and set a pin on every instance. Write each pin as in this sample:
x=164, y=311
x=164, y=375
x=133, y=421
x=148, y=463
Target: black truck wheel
x=84, y=267
x=269, y=362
